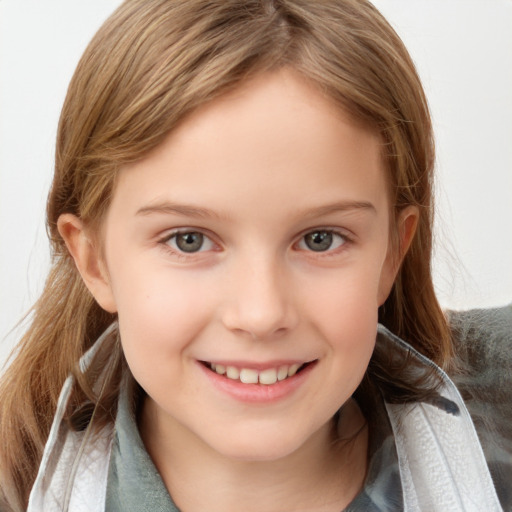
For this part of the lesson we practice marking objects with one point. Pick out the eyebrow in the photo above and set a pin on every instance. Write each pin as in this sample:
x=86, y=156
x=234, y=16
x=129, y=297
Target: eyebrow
x=185, y=210
x=340, y=206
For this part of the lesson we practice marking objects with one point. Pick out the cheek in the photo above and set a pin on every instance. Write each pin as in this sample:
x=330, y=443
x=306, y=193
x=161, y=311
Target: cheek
x=346, y=321
x=350, y=322
x=348, y=294
x=346, y=315
x=160, y=313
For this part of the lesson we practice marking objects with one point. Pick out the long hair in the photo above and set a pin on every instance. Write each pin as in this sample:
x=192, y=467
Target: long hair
x=152, y=63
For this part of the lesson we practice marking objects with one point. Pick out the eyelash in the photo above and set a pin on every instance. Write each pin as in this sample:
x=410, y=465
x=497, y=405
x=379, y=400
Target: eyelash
x=177, y=252
x=343, y=241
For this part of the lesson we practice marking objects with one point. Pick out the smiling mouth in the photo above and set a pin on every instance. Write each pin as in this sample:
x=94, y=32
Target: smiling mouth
x=266, y=377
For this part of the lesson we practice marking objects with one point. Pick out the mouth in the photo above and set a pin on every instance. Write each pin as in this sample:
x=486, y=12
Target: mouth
x=266, y=377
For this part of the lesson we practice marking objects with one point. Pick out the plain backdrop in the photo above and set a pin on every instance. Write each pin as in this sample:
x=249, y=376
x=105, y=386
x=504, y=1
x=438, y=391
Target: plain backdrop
x=463, y=51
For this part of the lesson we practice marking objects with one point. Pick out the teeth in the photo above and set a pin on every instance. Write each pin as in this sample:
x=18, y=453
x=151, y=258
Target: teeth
x=293, y=369
x=249, y=376
x=282, y=373
x=232, y=373
x=268, y=376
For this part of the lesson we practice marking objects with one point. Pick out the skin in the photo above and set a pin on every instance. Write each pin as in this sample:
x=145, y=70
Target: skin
x=254, y=172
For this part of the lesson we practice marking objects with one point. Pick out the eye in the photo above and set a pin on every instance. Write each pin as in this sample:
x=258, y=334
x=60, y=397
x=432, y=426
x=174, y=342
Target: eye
x=189, y=242
x=321, y=241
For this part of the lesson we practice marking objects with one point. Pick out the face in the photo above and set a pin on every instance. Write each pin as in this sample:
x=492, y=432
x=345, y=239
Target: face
x=247, y=257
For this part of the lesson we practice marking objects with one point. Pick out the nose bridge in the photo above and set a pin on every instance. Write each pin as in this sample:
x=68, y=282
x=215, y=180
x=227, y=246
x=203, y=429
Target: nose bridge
x=260, y=302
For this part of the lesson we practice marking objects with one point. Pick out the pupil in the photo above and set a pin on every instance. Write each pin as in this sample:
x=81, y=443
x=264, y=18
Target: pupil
x=189, y=242
x=319, y=240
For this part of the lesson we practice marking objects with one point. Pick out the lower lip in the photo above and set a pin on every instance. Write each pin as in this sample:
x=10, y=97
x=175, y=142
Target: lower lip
x=258, y=393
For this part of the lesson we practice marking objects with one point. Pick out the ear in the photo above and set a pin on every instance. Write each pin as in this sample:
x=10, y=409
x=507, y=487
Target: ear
x=406, y=228
x=88, y=260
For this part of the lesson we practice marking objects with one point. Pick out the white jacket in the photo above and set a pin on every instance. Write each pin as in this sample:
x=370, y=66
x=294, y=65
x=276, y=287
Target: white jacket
x=442, y=465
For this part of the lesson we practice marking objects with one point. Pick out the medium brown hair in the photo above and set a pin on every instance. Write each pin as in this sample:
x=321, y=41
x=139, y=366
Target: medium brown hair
x=152, y=63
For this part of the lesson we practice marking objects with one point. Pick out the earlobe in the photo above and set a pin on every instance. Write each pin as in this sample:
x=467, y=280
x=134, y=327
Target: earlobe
x=407, y=223
x=87, y=259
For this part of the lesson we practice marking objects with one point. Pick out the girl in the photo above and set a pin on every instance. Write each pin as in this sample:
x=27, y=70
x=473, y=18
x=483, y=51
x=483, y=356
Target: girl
x=241, y=223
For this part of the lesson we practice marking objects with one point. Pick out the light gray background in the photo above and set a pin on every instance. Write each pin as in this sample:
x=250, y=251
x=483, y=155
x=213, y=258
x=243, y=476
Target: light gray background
x=463, y=50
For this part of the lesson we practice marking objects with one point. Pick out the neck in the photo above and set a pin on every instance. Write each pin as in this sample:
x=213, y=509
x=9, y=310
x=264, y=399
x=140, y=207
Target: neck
x=324, y=474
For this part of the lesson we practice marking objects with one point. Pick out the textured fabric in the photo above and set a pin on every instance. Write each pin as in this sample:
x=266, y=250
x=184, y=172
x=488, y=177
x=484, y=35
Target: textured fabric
x=442, y=464
x=134, y=484
x=484, y=343
x=73, y=463
x=382, y=489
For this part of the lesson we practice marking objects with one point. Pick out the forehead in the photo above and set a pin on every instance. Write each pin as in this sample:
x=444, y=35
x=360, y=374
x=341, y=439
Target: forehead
x=275, y=139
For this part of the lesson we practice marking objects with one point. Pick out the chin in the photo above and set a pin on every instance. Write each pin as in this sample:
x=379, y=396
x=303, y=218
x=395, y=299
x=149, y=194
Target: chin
x=259, y=451
x=261, y=445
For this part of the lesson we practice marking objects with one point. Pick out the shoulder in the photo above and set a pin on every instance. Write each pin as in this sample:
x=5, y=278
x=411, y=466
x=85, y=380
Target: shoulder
x=483, y=336
x=483, y=343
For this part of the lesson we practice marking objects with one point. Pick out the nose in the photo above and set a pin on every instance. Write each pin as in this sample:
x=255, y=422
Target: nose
x=260, y=302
